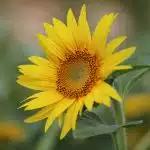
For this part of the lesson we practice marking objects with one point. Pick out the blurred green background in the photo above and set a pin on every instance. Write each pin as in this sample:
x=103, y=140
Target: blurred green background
x=20, y=20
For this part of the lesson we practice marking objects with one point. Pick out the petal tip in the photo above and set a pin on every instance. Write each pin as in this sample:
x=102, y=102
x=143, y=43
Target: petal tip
x=89, y=109
x=61, y=137
x=134, y=48
x=116, y=14
x=70, y=10
x=22, y=106
x=123, y=37
x=27, y=120
x=55, y=20
x=46, y=24
x=84, y=6
x=108, y=104
x=46, y=129
x=119, y=99
x=83, y=12
x=39, y=36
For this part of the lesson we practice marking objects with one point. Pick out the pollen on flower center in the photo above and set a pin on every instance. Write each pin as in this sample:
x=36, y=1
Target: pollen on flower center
x=78, y=74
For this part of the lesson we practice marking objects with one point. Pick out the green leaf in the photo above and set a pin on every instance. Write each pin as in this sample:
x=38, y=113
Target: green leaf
x=132, y=124
x=91, y=124
x=86, y=131
x=125, y=83
x=104, y=113
x=133, y=80
x=134, y=68
x=91, y=117
x=49, y=139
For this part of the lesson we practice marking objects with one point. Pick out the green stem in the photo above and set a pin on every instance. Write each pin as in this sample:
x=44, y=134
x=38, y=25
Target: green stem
x=120, y=135
x=113, y=135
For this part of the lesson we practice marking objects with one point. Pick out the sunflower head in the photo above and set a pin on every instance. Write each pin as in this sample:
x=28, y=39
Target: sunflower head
x=73, y=74
x=78, y=74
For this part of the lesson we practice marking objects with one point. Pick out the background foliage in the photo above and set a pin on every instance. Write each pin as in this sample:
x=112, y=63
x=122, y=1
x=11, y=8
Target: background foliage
x=20, y=20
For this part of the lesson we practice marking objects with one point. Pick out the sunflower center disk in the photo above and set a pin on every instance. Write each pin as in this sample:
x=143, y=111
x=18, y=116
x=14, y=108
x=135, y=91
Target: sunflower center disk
x=78, y=74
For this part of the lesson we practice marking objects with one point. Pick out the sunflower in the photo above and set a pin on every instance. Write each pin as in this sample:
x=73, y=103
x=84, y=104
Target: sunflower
x=75, y=70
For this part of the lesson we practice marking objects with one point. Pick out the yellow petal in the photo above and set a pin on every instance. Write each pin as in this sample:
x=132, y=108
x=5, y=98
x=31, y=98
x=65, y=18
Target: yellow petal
x=85, y=35
x=82, y=14
x=43, y=113
x=52, y=35
x=60, y=120
x=101, y=32
x=94, y=95
x=50, y=47
x=97, y=95
x=101, y=98
x=60, y=108
x=106, y=71
x=75, y=113
x=112, y=45
x=32, y=83
x=43, y=99
x=81, y=109
x=71, y=21
x=108, y=90
x=68, y=121
x=50, y=31
x=106, y=101
x=73, y=28
x=123, y=67
x=65, y=35
x=112, y=61
x=89, y=101
x=39, y=72
x=39, y=61
x=119, y=57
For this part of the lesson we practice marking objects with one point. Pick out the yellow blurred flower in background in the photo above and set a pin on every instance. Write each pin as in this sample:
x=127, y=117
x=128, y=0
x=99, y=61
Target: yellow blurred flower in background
x=10, y=131
x=137, y=106
x=74, y=73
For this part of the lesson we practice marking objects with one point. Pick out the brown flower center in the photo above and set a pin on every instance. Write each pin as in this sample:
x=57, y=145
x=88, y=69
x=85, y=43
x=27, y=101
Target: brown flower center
x=78, y=74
